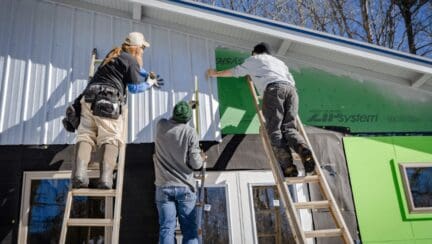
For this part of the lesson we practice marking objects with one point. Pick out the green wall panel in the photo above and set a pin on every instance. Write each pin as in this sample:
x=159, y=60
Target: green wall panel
x=236, y=108
x=328, y=100
x=380, y=202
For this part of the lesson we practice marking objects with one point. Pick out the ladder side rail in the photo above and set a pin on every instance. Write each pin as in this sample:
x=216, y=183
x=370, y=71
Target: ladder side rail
x=120, y=175
x=92, y=63
x=325, y=188
x=109, y=204
x=290, y=210
x=200, y=201
x=66, y=216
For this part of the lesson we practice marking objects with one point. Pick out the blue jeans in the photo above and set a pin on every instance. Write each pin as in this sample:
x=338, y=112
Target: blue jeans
x=175, y=201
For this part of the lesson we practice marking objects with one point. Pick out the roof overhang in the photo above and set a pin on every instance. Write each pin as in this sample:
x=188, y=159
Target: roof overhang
x=290, y=42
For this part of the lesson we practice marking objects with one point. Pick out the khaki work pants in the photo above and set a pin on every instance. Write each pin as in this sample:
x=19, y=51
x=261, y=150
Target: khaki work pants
x=98, y=130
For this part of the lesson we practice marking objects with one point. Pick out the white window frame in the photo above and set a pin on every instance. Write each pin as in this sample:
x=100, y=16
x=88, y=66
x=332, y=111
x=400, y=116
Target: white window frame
x=28, y=177
x=229, y=181
x=407, y=187
x=238, y=188
x=249, y=179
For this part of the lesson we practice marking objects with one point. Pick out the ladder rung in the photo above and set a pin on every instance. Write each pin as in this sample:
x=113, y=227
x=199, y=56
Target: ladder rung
x=312, y=205
x=323, y=233
x=302, y=179
x=90, y=222
x=94, y=192
x=98, y=61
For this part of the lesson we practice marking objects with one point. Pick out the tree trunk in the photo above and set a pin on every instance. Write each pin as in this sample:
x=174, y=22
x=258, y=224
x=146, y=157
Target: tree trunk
x=364, y=5
x=405, y=9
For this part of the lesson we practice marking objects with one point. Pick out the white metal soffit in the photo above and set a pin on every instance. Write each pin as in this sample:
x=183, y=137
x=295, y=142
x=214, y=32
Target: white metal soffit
x=292, y=43
x=44, y=66
x=415, y=70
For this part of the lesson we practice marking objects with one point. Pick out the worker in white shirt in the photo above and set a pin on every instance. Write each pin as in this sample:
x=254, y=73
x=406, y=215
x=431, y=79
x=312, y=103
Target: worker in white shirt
x=280, y=105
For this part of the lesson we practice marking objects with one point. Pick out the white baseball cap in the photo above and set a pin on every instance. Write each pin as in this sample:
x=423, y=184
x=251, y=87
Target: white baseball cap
x=136, y=39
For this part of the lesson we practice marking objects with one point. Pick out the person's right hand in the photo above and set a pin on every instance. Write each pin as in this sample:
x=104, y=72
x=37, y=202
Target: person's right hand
x=211, y=73
x=203, y=156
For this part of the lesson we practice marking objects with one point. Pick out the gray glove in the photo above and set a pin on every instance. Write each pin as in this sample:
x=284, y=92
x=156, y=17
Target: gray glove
x=155, y=80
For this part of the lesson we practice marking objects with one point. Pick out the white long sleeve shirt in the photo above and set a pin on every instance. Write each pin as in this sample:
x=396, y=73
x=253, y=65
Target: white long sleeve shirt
x=263, y=69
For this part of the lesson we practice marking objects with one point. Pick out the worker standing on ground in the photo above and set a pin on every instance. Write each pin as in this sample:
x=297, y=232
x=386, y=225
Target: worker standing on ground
x=177, y=155
x=280, y=105
x=101, y=122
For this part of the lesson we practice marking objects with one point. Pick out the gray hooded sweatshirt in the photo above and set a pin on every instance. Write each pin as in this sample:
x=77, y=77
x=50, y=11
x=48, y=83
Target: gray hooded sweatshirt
x=177, y=154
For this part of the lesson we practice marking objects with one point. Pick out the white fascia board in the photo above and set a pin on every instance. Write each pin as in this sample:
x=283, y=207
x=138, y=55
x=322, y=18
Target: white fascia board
x=218, y=18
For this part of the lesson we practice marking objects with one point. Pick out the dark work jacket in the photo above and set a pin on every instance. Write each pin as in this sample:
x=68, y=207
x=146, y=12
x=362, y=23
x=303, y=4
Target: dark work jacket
x=121, y=71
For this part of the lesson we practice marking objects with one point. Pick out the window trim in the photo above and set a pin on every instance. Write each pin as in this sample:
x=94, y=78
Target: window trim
x=28, y=177
x=249, y=179
x=407, y=187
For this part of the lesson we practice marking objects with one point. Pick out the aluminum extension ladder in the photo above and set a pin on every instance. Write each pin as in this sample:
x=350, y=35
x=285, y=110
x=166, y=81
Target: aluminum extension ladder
x=111, y=222
x=282, y=183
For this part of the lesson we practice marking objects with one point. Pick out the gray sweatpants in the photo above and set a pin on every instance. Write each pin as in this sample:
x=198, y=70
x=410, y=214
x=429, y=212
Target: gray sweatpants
x=280, y=109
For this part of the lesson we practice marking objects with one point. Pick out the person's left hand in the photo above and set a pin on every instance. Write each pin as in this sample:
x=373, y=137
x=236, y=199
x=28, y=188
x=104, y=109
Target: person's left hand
x=155, y=80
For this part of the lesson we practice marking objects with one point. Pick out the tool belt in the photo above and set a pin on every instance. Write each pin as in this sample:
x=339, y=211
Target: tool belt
x=106, y=101
x=73, y=115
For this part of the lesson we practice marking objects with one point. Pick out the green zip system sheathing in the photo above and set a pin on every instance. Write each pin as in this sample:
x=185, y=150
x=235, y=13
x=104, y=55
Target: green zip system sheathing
x=379, y=196
x=326, y=99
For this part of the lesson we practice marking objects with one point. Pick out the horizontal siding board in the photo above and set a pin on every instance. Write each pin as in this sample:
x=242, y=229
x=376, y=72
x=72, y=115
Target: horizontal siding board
x=45, y=62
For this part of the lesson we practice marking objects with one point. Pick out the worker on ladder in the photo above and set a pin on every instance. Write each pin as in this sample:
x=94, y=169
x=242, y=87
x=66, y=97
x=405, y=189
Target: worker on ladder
x=177, y=155
x=280, y=105
x=101, y=108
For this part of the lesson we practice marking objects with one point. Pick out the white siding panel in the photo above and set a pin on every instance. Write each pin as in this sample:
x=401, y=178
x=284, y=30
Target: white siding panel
x=201, y=61
x=181, y=79
x=103, y=34
x=19, y=49
x=161, y=99
x=45, y=62
x=140, y=112
x=61, y=61
x=6, y=26
x=38, y=82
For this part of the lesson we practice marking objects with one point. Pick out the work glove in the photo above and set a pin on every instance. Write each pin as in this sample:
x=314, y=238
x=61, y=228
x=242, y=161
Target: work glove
x=155, y=80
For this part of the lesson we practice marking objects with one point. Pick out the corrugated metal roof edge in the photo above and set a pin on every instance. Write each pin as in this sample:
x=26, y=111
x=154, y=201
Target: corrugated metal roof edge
x=316, y=34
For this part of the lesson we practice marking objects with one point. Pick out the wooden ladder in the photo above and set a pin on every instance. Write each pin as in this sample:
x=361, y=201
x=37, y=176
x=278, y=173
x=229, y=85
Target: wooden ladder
x=282, y=183
x=111, y=222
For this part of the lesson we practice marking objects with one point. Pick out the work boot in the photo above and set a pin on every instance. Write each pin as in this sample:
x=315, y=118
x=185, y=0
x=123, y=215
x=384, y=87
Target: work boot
x=290, y=171
x=285, y=159
x=107, y=166
x=82, y=158
x=306, y=158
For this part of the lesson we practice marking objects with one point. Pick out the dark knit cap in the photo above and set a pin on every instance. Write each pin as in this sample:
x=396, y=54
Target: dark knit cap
x=182, y=112
x=261, y=48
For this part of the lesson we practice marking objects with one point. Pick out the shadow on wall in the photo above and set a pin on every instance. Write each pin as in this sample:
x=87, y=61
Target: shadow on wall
x=47, y=112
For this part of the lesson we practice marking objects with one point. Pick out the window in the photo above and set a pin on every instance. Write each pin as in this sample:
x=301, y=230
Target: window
x=417, y=182
x=271, y=223
x=217, y=215
x=44, y=196
x=262, y=216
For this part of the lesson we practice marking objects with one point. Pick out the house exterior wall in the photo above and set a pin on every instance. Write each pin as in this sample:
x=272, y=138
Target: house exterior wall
x=328, y=99
x=44, y=62
x=378, y=195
